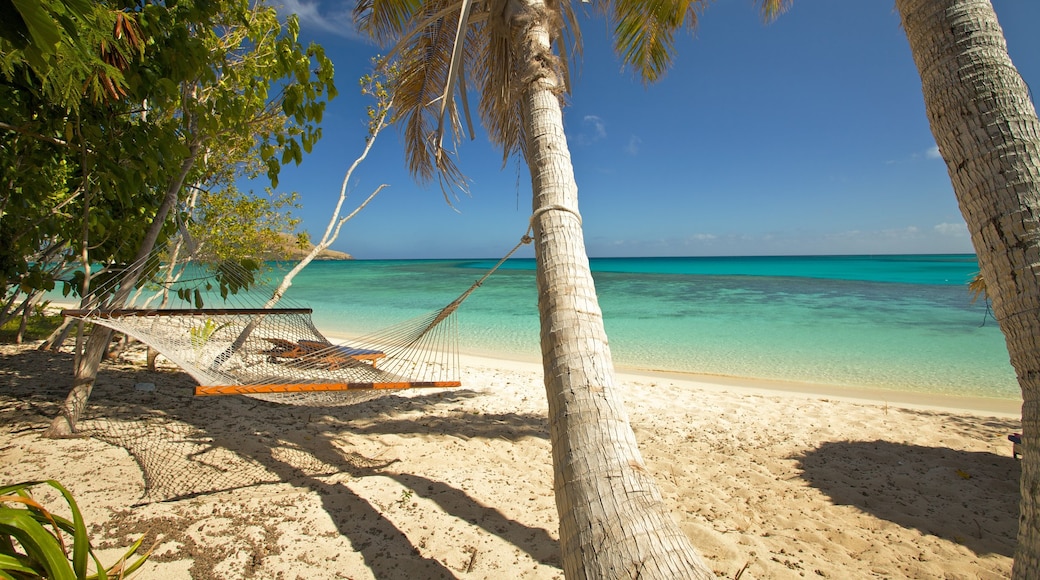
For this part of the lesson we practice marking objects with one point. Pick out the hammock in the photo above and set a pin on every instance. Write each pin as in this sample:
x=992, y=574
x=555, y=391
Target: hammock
x=247, y=348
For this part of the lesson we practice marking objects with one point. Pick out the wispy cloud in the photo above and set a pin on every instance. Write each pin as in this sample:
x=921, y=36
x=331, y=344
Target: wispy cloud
x=595, y=125
x=633, y=145
x=592, y=129
x=956, y=230
x=942, y=239
x=337, y=21
x=930, y=154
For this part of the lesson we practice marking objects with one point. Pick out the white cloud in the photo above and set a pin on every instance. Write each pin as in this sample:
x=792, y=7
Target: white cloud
x=593, y=129
x=930, y=153
x=957, y=230
x=339, y=21
x=633, y=145
x=598, y=127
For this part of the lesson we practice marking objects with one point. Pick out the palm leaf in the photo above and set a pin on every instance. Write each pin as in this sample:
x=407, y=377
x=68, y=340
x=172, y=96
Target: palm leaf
x=771, y=9
x=644, y=32
x=385, y=20
x=977, y=287
x=454, y=68
x=39, y=545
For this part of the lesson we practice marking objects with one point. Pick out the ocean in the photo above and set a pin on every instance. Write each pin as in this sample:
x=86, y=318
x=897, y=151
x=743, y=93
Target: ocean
x=904, y=323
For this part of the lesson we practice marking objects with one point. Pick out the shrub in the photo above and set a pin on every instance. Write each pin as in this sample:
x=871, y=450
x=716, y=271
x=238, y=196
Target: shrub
x=34, y=542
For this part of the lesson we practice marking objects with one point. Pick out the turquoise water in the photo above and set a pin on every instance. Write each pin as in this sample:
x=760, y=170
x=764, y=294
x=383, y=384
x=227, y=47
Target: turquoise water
x=892, y=322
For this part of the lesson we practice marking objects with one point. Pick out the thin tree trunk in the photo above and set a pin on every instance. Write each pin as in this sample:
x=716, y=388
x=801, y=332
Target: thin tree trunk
x=27, y=311
x=58, y=337
x=64, y=425
x=331, y=233
x=613, y=522
x=987, y=130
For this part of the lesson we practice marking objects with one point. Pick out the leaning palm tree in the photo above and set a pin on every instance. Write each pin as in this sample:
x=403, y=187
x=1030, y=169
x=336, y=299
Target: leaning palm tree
x=613, y=522
x=986, y=126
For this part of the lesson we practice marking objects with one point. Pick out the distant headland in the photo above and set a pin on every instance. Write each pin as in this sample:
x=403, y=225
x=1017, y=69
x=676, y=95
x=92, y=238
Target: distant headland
x=292, y=251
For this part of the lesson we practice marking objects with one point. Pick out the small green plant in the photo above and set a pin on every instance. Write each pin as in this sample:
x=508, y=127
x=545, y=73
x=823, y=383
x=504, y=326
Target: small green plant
x=34, y=541
x=200, y=335
x=406, y=496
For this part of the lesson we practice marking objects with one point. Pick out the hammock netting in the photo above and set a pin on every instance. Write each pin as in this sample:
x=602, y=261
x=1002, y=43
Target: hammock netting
x=245, y=351
x=219, y=324
x=188, y=446
x=245, y=347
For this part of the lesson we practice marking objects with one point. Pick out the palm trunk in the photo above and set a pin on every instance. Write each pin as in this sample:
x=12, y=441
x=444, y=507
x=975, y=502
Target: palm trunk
x=987, y=130
x=613, y=522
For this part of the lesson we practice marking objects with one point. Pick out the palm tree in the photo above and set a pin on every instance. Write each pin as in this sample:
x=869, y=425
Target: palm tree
x=987, y=130
x=613, y=522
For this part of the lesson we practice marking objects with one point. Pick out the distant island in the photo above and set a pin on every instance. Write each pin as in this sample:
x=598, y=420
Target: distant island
x=291, y=251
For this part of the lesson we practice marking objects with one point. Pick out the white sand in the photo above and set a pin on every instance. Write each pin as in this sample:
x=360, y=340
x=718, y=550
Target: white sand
x=458, y=484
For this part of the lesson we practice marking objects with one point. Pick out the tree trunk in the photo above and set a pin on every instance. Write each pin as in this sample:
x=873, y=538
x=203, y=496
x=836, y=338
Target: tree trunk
x=58, y=336
x=613, y=522
x=64, y=425
x=988, y=133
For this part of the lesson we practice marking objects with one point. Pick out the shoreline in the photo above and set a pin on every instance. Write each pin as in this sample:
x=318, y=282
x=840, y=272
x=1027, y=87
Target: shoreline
x=1005, y=408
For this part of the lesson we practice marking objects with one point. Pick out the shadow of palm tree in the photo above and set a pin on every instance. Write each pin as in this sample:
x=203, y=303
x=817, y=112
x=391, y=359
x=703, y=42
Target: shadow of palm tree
x=967, y=497
x=282, y=449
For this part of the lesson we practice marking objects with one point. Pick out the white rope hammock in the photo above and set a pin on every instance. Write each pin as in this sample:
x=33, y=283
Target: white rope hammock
x=244, y=347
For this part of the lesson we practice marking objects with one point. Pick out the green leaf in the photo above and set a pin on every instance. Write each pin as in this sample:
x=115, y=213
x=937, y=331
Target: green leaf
x=43, y=29
x=80, y=544
x=38, y=543
x=15, y=563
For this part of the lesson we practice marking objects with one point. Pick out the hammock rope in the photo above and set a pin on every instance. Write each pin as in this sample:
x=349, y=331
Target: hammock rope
x=246, y=347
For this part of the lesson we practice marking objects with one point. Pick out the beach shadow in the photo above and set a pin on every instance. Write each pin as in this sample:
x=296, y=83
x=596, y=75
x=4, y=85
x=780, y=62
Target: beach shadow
x=970, y=498
x=36, y=383
x=505, y=426
x=388, y=552
x=284, y=447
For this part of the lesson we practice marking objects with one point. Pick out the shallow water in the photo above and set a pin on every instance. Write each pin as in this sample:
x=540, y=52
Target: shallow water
x=892, y=322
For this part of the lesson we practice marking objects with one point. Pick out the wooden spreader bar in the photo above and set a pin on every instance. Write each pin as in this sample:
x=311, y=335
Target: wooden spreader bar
x=120, y=312
x=207, y=390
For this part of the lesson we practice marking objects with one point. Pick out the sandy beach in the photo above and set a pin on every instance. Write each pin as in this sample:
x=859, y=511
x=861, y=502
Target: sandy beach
x=768, y=481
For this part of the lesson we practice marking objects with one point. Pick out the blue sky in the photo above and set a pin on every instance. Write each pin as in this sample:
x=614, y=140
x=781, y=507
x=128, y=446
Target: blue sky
x=804, y=136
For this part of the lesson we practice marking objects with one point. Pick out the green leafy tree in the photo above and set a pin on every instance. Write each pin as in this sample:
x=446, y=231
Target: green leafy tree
x=183, y=91
x=50, y=94
x=613, y=522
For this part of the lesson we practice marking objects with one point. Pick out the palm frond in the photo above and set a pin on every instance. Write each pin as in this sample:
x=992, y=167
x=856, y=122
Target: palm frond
x=445, y=47
x=499, y=81
x=772, y=9
x=977, y=287
x=386, y=20
x=425, y=62
x=454, y=68
x=644, y=32
x=504, y=73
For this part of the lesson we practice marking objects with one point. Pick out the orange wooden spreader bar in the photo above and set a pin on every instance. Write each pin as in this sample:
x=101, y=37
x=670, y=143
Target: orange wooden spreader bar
x=207, y=390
